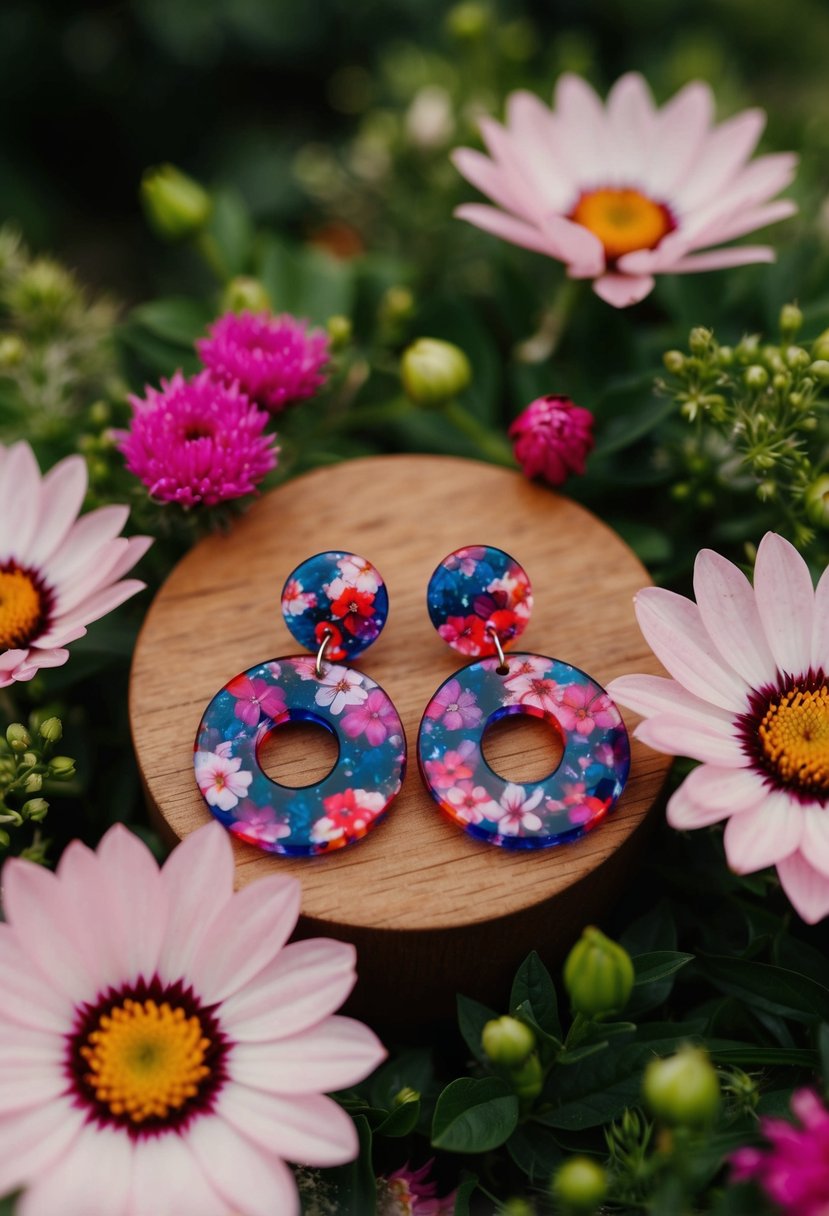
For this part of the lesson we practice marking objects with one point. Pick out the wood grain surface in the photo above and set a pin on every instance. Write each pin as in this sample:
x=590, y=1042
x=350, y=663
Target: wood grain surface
x=431, y=910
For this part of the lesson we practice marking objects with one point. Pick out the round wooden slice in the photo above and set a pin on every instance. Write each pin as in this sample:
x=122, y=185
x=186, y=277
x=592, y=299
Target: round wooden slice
x=431, y=911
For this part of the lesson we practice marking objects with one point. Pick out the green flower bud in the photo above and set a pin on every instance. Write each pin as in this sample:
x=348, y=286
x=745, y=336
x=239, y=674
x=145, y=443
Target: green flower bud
x=51, y=730
x=747, y=348
x=781, y=381
x=684, y=1089
x=674, y=361
x=5, y=838
x=817, y=502
x=797, y=358
x=43, y=295
x=820, y=346
x=61, y=767
x=516, y=1206
x=100, y=413
x=725, y=356
x=35, y=809
x=176, y=205
x=680, y=491
x=245, y=294
x=579, y=1184
x=756, y=376
x=434, y=371
x=598, y=975
x=507, y=1041
x=340, y=331
x=766, y=491
x=17, y=737
x=528, y=1078
x=404, y=1096
x=12, y=351
x=468, y=21
x=33, y=783
x=791, y=319
x=29, y=760
x=397, y=305
x=700, y=340
x=763, y=462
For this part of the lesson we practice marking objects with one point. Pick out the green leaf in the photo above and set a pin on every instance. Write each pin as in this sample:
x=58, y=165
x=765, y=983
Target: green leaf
x=474, y=1116
x=764, y=986
x=410, y=1069
x=400, y=1121
x=356, y=1184
x=472, y=1017
x=307, y=282
x=532, y=985
x=577, y=1054
x=657, y=965
x=463, y=1194
x=773, y=1057
x=176, y=319
x=231, y=229
x=535, y=1151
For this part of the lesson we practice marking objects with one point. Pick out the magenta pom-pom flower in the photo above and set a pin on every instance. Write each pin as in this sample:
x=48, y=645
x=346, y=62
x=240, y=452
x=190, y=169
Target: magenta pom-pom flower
x=197, y=442
x=165, y=1052
x=793, y=1169
x=748, y=699
x=58, y=570
x=552, y=438
x=275, y=360
x=626, y=191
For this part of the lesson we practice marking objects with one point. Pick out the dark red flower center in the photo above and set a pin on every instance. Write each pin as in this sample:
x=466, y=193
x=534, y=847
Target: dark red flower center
x=786, y=733
x=25, y=605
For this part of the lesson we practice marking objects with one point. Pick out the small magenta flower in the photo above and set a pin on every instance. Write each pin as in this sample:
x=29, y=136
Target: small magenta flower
x=551, y=438
x=793, y=1169
x=409, y=1192
x=276, y=360
x=197, y=442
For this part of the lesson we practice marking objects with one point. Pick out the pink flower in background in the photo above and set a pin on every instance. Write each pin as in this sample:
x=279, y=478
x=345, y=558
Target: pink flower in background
x=376, y=718
x=197, y=442
x=165, y=1050
x=749, y=699
x=455, y=766
x=516, y=813
x=275, y=360
x=409, y=1192
x=581, y=710
x=793, y=1169
x=295, y=600
x=472, y=803
x=458, y=707
x=255, y=698
x=626, y=191
x=59, y=571
x=535, y=691
x=221, y=779
x=258, y=824
x=340, y=686
x=552, y=438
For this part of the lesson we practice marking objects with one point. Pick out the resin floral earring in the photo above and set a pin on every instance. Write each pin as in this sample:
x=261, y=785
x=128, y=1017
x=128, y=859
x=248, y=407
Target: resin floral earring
x=335, y=604
x=479, y=600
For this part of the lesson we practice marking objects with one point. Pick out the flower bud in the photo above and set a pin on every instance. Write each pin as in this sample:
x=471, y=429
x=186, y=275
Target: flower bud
x=674, y=361
x=820, y=346
x=579, y=1184
x=797, y=358
x=17, y=737
x=404, y=1096
x=340, y=331
x=245, y=294
x=12, y=350
x=100, y=413
x=434, y=371
x=817, y=501
x=33, y=783
x=61, y=767
x=507, y=1041
x=766, y=491
x=35, y=809
x=176, y=205
x=396, y=306
x=791, y=319
x=516, y=1206
x=598, y=975
x=51, y=730
x=5, y=838
x=725, y=356
x=528, y=1078
x=552, y=438
x=700, y=340
x=684, y=1089
x=468, y=21
x=756, y=376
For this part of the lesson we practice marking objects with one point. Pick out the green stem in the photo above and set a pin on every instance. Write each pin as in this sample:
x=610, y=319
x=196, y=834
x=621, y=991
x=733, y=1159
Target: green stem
x=207, y=245
x=544, y=343
x=492, y=446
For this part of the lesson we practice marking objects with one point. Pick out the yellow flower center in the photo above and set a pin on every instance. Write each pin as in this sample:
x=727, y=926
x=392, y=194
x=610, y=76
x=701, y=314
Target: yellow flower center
x=623, y=220
x=146, y=1060
x=794, y=736
x=21, y=608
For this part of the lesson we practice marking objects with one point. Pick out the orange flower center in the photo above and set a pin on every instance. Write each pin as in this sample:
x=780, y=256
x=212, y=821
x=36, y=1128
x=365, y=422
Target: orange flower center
x=22, y=608
x=794, y=737
x=623, y=220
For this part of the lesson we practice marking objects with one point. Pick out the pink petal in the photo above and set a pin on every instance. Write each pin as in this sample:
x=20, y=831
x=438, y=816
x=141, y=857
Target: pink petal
x=763, y=835
x=305, y=983
x=674, y=630
x=491, y=179
x=533, y=129
x=336, y=1053
x=622, y=290
x=746, y=220
x=251, y=1182
x=36, y=659
x=32, y=1068
x=648, y=695
x=135, y=897
x=682, y=129
x=19, y=502
x=680, y=738
x=499, y=224
x=722, y=259
x=806, y=887
x=198, y=880
x=92, y=1179
x=34, y=1143
x=724, y=152
x=728, y=610
x=722, y=792
x=631, y=122
x=98, y=605
x=785, y=601
x=167, y=1181
x=26, y=996
x=575, y=245
x=86, y=884
x=307, y=1129
x=90, y=579
x=820, y=625
x=61, y=498
x=581, y=127
x=815, y=843
x=254, y=929
x=85, y=538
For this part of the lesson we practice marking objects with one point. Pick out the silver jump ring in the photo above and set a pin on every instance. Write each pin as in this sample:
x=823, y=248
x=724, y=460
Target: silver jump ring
x=493, y=633
x=327, y=635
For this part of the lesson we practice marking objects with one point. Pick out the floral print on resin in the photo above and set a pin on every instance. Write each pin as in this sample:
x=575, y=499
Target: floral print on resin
x=336, y=811
x=477, y=590
x=337, y=594
x=570, y=802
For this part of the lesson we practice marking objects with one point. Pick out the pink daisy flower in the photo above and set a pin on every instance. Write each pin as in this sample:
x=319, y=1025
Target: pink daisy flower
x=221, y=779
x=457, y=707
x=256, y=698
x=516, y=813
x=793, y=1169
x=552, y=438
x=165, y=1051
x=623, y=192
x=409, y=1192
x=197, y=442
x=58, y=571
x=376, y=718
x=275, y=360
x=749, y=699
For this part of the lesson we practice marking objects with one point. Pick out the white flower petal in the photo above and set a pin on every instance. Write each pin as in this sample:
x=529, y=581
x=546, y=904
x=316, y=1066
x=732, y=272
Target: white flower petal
x=198, y=880
x=764, y=835
x=815, y=843
x=251, y=1182
x=92, y=1179
x=820, y=625
x=581, y=129
x=728, y=609
x=710, y=794
x=722, y=155
x=135, y=898
x=682, y=128
x=674, y=630
x=507, y=227
x=623, y=290
x=19, y=502
x=308, y=1129
x=336, y=1053
x=785, y=601
x=168, y=1181
x=61, y=498
x=679, y=737
x=35, y=1141
x=649, y=695
x=632, y=124
x=806, y=887
x=85, y=538
x=27, y=997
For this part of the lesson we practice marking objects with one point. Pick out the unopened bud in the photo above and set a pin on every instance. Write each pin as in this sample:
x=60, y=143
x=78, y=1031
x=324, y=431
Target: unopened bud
x=397, y=305
x=756, y=376
x=340, y=331
x=35, y=809
x=468, y=21
x=791, y=319
x=598, y=975
x=817, y=502
x=176, y=205
x=17, y=737
x=516, y=1206
x=797, y=358
x=674, y=361
x=61, y=767
x=245, y=294
x=507, y=1041
x=12, y=350
x=579, y=1185
x=33, y=783
x=766, y=491
x=404, y=1096
x=528, y=1078
x=434, y=371
x=51, y=730
x=700, y=340
x=684, y=1089
x=725, y=356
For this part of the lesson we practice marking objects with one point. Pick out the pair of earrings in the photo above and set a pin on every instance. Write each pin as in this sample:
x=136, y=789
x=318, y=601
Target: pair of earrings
x=335, y=604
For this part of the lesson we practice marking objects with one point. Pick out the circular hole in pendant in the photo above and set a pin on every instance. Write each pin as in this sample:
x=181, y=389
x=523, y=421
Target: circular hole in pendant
x=298, y=753
x=522, y=748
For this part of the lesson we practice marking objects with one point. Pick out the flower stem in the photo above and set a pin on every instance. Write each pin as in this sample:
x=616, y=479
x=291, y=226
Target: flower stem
x=208, y=247
x=544, y=343
x=491, y=445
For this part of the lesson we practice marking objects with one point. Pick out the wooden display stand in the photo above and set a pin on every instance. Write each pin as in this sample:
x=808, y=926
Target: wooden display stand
x=431, y=911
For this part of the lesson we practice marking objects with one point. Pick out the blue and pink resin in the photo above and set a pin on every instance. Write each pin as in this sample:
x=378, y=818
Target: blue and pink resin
x=573, y=800
x=338, y=593
x=336, y=811
x=474, y=591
